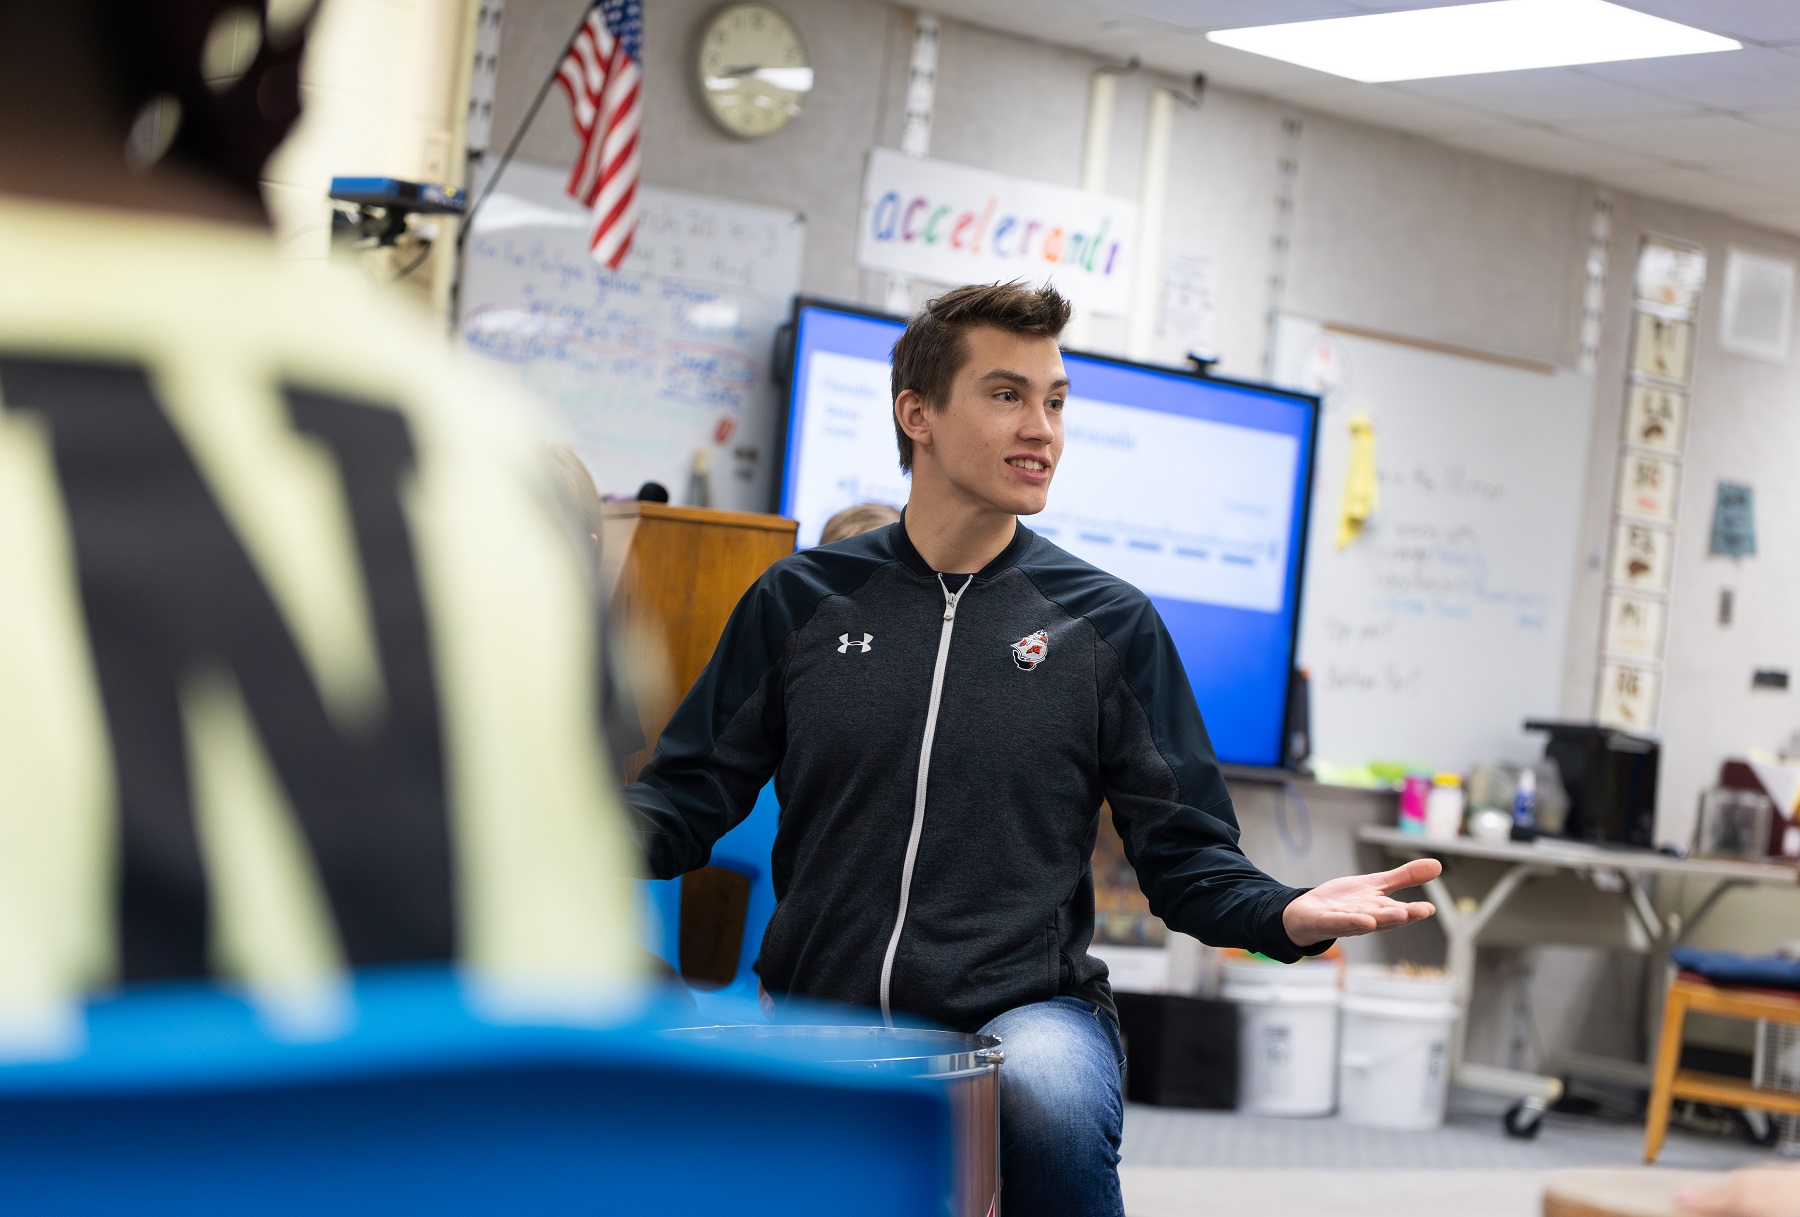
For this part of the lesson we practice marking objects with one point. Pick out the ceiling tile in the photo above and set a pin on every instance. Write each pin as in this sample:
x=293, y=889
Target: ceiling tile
x=1729, y=80
x=1561, y=96
x=1218, y=14
x=1549, y=150
x=1781, y=219
x=1703, y=139
x=1393, y=6
x=1385, y=106
x=1695, y=188
x=1777, y=120
x=1766, y=173
x=1766, y=21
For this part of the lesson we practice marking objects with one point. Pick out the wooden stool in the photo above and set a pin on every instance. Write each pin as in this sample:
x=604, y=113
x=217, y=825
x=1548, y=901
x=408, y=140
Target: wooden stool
x=1630, y=1192
x=1692, y=992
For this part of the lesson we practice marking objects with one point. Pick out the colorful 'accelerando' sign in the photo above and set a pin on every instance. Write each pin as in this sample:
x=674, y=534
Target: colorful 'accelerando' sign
x=952, y=224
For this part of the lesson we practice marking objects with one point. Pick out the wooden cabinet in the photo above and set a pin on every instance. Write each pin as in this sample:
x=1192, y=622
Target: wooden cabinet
x=674, y=575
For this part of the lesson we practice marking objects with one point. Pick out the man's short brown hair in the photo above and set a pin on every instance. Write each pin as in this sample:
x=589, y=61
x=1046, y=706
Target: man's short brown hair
x=929, y=354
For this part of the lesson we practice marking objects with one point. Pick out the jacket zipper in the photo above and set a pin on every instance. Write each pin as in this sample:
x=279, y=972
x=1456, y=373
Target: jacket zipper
x=918, y=820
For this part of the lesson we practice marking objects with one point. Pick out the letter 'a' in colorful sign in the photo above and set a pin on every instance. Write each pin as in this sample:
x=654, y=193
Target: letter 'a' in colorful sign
x=951, y=224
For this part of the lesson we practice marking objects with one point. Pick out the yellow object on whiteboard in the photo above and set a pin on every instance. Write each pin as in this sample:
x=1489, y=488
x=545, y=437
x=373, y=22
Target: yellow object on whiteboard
x=1360, y=489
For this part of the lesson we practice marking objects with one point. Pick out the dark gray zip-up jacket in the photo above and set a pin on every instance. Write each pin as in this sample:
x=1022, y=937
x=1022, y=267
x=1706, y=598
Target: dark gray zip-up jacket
x=940, y=760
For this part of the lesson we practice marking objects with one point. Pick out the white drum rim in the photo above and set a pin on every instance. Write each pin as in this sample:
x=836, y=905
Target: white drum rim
x=1310, y=972
x=1400, y=1008
x=1379, y=980
x=1268, y=995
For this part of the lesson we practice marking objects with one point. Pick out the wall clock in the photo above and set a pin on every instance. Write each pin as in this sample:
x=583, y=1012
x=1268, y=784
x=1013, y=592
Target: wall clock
x=751, y=69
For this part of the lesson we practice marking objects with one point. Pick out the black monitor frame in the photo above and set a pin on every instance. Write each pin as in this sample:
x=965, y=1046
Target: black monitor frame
x=783, y=368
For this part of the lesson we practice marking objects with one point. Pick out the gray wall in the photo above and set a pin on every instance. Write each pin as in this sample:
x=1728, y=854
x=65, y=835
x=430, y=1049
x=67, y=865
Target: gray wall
x=1390, y=231
x=1742, y=426
x=815, y=165
x=1402, y=234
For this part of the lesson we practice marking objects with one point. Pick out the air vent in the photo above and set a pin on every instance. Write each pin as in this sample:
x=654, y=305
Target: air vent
x=1758, y=318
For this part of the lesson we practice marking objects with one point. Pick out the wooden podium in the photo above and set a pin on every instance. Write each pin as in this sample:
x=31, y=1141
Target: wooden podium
x=675, y=573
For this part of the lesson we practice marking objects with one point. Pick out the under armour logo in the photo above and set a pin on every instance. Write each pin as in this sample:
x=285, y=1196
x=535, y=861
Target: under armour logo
x=844, y=643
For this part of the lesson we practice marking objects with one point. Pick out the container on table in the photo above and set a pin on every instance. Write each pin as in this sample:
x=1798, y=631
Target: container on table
x=1413, y=793
x=1444, y=808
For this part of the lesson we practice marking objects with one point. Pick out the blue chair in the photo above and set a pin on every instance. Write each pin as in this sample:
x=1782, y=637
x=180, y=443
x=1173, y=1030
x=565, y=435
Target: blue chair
x=182, y=1103
x=745, y=849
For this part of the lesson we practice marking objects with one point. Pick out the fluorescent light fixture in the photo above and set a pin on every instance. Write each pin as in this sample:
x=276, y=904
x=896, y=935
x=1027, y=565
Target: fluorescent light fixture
x=1461, y=40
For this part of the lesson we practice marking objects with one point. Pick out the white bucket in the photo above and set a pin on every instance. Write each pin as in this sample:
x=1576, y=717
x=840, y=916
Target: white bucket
x=1394, y=1070
x=1287, y=1036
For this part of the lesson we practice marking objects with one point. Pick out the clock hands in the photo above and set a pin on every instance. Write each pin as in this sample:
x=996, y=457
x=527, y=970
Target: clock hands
x=788, y=80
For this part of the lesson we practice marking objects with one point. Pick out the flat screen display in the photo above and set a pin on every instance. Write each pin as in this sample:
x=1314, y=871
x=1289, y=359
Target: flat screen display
x=1193, y=489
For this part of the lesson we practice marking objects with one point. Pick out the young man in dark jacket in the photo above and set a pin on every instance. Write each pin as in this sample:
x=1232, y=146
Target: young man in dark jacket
x=943, y=704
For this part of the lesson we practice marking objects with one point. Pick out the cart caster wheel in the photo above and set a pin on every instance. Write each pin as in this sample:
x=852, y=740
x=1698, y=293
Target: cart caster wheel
x=1758, y=1127
x=1525, y=1119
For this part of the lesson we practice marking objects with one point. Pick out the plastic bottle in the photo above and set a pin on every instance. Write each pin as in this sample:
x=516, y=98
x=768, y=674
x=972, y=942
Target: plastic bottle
x=700, y=480
x=1444, y=808
x=1412, y=804
x=1524, y=825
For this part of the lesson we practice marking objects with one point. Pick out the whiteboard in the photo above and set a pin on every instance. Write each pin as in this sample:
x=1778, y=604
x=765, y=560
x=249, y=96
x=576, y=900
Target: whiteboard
x=641, y=368
x=1438, y=631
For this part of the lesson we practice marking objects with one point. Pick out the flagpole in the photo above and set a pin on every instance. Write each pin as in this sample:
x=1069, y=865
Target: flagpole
x=512, y=146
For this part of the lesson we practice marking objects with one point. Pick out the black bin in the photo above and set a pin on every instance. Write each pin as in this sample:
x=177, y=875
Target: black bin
x=1183, y=1051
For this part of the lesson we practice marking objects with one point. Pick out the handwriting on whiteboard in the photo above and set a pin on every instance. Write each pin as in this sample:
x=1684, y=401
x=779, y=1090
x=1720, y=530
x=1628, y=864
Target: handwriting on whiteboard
x=696, y=243
x=1422, y=560
x=675, y=341
x=1434, y=635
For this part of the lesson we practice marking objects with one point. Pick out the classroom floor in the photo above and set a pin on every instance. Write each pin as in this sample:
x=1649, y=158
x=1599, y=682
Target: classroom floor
x=1201, y=1163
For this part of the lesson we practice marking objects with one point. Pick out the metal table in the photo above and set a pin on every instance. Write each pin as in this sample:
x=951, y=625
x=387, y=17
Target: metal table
x=1583, y=895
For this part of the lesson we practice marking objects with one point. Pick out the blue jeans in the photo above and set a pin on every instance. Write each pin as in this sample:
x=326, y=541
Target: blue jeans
x=1061, y=1110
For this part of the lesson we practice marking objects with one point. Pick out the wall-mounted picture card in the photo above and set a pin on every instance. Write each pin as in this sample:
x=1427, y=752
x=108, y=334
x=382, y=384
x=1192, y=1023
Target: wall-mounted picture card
x=1655, y=417
x=1661, y=347
x=1647, y=484
x=1734, y=521
x=1670, y=276
x=1757, y=317
x=1627, y=697
x=1634, y=627
x=1641, y=556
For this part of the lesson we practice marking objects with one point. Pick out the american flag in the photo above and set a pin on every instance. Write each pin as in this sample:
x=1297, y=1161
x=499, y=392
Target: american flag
x=602, y=75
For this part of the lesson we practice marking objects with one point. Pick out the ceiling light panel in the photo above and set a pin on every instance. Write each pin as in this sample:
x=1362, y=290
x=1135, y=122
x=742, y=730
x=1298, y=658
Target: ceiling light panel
x=1463, y=40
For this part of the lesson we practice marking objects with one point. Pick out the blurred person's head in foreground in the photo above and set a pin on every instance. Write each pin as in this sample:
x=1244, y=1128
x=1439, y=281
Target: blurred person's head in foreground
x=301, y=670
x=854, y=521
x=578, y=497
x=159, y=105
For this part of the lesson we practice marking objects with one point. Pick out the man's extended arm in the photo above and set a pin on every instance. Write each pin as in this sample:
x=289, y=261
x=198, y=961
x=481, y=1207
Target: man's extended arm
x=1169, y=799
x=720, y=747
x=1174, y=815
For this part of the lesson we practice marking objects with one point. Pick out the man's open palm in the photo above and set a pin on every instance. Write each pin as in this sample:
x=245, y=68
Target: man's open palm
x=1359, y=904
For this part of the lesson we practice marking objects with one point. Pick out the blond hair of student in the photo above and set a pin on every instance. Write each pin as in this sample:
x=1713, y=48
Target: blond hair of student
x=854, y=521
